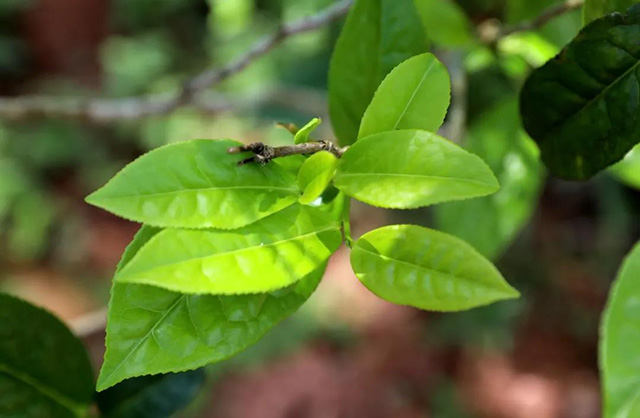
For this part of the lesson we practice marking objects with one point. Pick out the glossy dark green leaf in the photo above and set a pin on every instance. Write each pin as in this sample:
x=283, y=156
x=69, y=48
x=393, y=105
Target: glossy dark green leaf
x=582, y=107
x=270, y=254
x=619, y=342
x=377, y=36
x=197, y=184
x=490, y=223
x=426, y=269
x=445, y=22
x=315, y=175
x=158, y=396
x=593, y=9
x=415, y=95
x=408, y=169
x=44, y=369
x=302, y=135
x=151, y=330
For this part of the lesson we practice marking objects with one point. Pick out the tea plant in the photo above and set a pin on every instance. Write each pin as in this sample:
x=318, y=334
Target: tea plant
x=236, y=237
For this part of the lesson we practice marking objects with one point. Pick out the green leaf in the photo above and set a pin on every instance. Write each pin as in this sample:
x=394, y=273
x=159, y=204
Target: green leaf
x=582, y=107
x=270, y=254
x=628, y=169
x=44, y=369
x=559, y=30
x=426, y=269
x=151, y=330
x=445, y=22
x=303, y=133
x=377, y=36
x=593, y=9
x=620, y=339
x=315, y=175
x=490, y=223
x=408, y=169
x=159, y=396
x=415, y=95
x=196, y=184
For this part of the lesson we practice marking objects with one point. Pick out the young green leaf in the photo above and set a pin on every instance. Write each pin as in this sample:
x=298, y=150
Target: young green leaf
x=415, y=95
x=151, y=330
x=619, y=342
x=377, y=36
x=270, y=254
x=593, y=9
x=581, y=107
x=408, y=169
x=303, y=133
x=445, y=22
x=490, y=223
x=426, y=269
x=628, y=169
x=315, y=175
x=44, y=369
x=159, y=396
x=196, y=184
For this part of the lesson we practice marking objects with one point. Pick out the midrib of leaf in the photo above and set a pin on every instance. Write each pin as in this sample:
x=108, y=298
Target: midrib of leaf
x=222, y=188
x=429, y=270
x=187, y=260
x=76, y=408
x=413, y=95
x=143, y=339
x=599, y=96
x=460, y=179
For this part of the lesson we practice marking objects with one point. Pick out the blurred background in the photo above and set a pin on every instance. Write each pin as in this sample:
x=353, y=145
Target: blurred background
x=346, y=353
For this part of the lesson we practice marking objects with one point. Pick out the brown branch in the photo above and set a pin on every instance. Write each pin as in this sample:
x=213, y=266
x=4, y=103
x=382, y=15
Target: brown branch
x=265, y=153
x=101, y=110
x=491, y=31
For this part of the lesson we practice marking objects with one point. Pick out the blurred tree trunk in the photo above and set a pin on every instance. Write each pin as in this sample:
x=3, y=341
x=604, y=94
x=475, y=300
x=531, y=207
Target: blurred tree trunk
x=64, y=37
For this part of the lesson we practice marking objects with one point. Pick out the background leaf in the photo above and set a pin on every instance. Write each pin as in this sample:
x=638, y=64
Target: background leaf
x=426, y=269
x=445, y=22
x=270, y=254
x=196, y=184
x=490, y=223
x=152, y=330
x=619, y=357
x=315, y=175
x=408, y=169
x=581, y=107
x=593, y=9
x=158, y=396
x=377, y=36
x=415, y=95
x=44, y=369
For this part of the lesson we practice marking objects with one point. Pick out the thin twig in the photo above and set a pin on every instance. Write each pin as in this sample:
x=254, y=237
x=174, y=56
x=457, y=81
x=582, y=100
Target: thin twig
x=101, y=110
x=491, y=31
x=265, y=153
